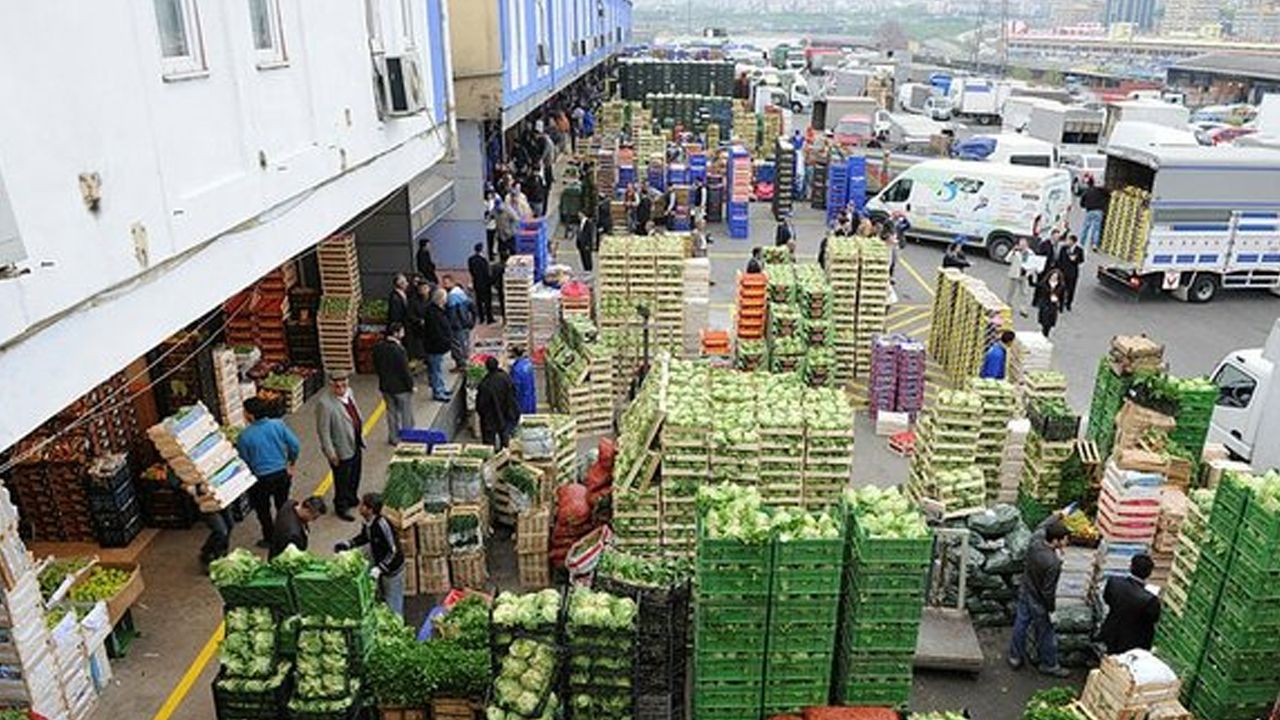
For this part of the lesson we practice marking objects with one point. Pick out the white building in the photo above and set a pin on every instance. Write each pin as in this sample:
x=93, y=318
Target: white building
x=157, y=157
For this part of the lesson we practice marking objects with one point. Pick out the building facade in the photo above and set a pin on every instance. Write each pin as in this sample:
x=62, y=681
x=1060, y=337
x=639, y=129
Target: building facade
x=1257, y=22
x=1189, y=17
x=1139, y=13
x=173, y=152
x=511, y=57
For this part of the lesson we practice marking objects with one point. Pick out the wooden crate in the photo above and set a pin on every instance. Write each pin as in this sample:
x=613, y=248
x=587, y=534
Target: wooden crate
x=401, y=713
x=535, y=570
x=470, y=570
x=433, y=575
x=411, y=577
x=402, y=518
x=533, y=530
x=433, y=534
x=454, y=709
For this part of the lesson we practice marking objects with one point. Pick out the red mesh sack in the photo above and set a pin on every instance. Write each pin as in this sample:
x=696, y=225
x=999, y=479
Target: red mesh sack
x=572, y=505
x=850, y=713
x=607, y=450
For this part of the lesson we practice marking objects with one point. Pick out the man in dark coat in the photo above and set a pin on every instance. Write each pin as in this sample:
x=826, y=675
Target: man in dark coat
x=416, y=322
x=585, y=239
x=1070, y=258
x=783, y=234
x=481, y=283
x=292, y=523
x=395, y=381
x=496, y=405
x=604, y=218
x=436, y=343
x=644, y=208
x=398, y=300
x=1132, y=611
x=1037, y=597
x=426, y=266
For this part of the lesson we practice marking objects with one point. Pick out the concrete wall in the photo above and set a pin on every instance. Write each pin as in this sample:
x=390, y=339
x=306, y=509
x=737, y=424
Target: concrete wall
x=478, y=57
x=208, y=179
x=453, y=237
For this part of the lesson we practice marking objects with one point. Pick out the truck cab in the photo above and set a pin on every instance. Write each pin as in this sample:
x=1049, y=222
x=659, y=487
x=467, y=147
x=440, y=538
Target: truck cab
x=1246, y=417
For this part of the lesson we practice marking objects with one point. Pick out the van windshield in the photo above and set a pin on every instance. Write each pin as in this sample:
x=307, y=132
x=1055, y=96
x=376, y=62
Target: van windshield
x=1031, y=160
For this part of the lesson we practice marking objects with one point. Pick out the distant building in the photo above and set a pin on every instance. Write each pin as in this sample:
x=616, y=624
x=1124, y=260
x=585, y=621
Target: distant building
x=1188, y=16
x=1258, y=21
x=1140, y=13
x=1225, y=77
x=1073, y=13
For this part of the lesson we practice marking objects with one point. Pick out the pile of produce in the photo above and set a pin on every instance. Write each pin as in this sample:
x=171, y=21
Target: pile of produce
x=736, y=512
x=601, y=634
x=325, y=679
x=532, y=615
x=998, y=542
x=1052, y=704
x=54, y=573
x=404, y=484
x=249, y=648
x=101, y=584
x=642, y=571
x=402, y=672
x=523, y=688
x=944, y=464
x=889, y=550
x=999, y=406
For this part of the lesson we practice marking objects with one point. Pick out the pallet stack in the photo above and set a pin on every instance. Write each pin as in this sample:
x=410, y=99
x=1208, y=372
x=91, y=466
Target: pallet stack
x=735, y=434
x=667, y=323
x=873, y=299
x=112, y=500
x=558, y=459
x=517, y=299
x=340, y=304
x=1031, y=352
x=782, y=442
x=1128, y=220
x=784, y=182
x=686, y=454
x=545, y=304
x=943, y=467
x=999, y=406
x=1128, y=512
x=1012, y=460
x=829, y=447
x=740, y=189
x=730, y=627
x=751, y=306
x=199, y=453
x=32, y=677
x=1042, y=469
x=843, y=270
x=49, y=486
x=804, y=597
x=226, y=373
x=637, y=511
x=533, y=541
x=883, y=594
x=1132, y=685
x=967, y=319
x=1186, y=554
x=1110, y=388
x=837, y=186
x=260, y=314
x=1174, y=508
x=580, y=375
x=695, y=313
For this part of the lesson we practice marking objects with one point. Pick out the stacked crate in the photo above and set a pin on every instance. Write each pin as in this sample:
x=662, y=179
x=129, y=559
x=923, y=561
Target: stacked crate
x=883, y=594
x=226, y=374
x=49, y=485
x=837, y=187
x=637, y=512
x=667, y=322
x=999, y=406
x=1128, y=222
x=260, y=314
x=751, y=306
x=340, y=283
x=1109, y=391
x=803, y=601
x=784, y=161
x=1186, y=551
x=731, y=621
x=843, y=270
x=300, y=328
x=786, y=348
x=873, y=299
x=1012, y=459
x=1044, y=385
x=1195, y=408
x=739, y=186
x=686, y=455
x=828, y=448
x=782, y=441
x=817, y=170
x=580, y=376
x=1042, y=468
x=1031, y=352
x=663, y=612
x=696, y=310
x=545, y=304
x=735, y=436
x=517, y=299
x=947, y=443
x=1174, y=507
x=967, y=319
x=533, y=540
x=31, y=673
x=113, y=501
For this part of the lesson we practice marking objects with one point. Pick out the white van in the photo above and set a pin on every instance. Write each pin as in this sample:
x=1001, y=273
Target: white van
x=991, y=204
x=1018, y=149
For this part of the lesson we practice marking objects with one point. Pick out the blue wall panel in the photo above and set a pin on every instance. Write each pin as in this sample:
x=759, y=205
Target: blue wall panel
x=439, y=61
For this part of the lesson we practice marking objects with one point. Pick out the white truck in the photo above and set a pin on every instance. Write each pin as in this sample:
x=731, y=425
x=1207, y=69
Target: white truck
x=1246, y=418
x=845, y=82
x=904, y=130
x=1015, y=115
x=1192, y=220
x=990, y=204
x=975, y=99
x=913, y=96
x=1148, y=111
x=1065, y=125
x=842, y=106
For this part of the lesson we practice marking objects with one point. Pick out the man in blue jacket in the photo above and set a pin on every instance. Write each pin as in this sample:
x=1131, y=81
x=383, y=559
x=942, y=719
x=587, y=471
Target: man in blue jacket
x=270, y=449
x=996, y=362
x=522, y=376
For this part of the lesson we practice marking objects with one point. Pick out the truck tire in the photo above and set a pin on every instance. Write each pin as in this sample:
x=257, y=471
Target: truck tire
x=999, y=245
x=1202, y=288
x=985, y=119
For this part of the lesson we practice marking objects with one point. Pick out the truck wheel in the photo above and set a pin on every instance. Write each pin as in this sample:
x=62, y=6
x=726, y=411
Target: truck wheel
x=1203, y=288
x=999, y=246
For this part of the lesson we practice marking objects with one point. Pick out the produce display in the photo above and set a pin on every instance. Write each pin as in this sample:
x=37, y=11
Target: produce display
x=523, y=687
x=967, y=319
x=601, y=634
x=1127, y=224
x=54, y=573
x=100, y=584
x=999, y=406
x=580, y=375
x=402, y=672
x=944, y=467
x=249, y=648
x=648, y=272
x=1052, y=704
x=532, y=615
x=1109, y=390
x=887, y=550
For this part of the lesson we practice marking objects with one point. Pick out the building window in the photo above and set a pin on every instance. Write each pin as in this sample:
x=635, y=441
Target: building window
x=540, y=10
x=268, y=37
x=181, y=47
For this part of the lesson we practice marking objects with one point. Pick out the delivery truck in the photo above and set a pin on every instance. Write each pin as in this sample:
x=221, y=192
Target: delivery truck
x=1246, y=418
x=913, y=96
x=975, y=99
x=841, y=106
x=1149, y=111
x=1065, y=125
x=1191, y=220
x=991, y=205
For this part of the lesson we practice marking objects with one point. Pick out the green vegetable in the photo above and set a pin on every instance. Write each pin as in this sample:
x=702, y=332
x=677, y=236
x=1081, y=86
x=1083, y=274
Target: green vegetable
x=53, y=574
x=101, y=584
x=249, y=647
x=591, y=609
x=619, y=565
x=404, y=484
x=886, y=513
x=292, y=561
x=1052, y=704
x=466, y=623
x=534, y=611
x=235, y=568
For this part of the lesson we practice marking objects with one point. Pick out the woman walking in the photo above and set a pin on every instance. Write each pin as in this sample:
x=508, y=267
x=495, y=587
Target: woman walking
x=1051, y=293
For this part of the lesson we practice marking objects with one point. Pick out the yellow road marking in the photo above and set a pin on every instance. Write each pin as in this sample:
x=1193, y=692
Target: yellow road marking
x=901, y=310
x=910, y=321
x=207, y=652
x=912, y=271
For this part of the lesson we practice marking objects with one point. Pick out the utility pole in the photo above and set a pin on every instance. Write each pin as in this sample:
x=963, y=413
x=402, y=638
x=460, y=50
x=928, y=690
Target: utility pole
x=1004, y=38
x=976, y=51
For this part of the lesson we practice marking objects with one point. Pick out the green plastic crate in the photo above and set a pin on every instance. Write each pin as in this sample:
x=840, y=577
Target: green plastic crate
x=797, y=666
x=887, y=610
x=902, y=581
x=727, y=694
x=726, y=667
x=889, y=692
x=1252, y=579
x=790, y=697
x=803, y=611
x=808, y=553
x=272, y=591
x=872, y=551
x=753, y=582
x=860, y=664
x=1243, y=665
x=1213, y=699
x=320, y=595
x=882, y=636
x=821, y=640
x=818, y=582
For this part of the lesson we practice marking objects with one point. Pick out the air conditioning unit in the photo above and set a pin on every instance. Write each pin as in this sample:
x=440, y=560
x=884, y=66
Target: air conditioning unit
x=398, y=86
